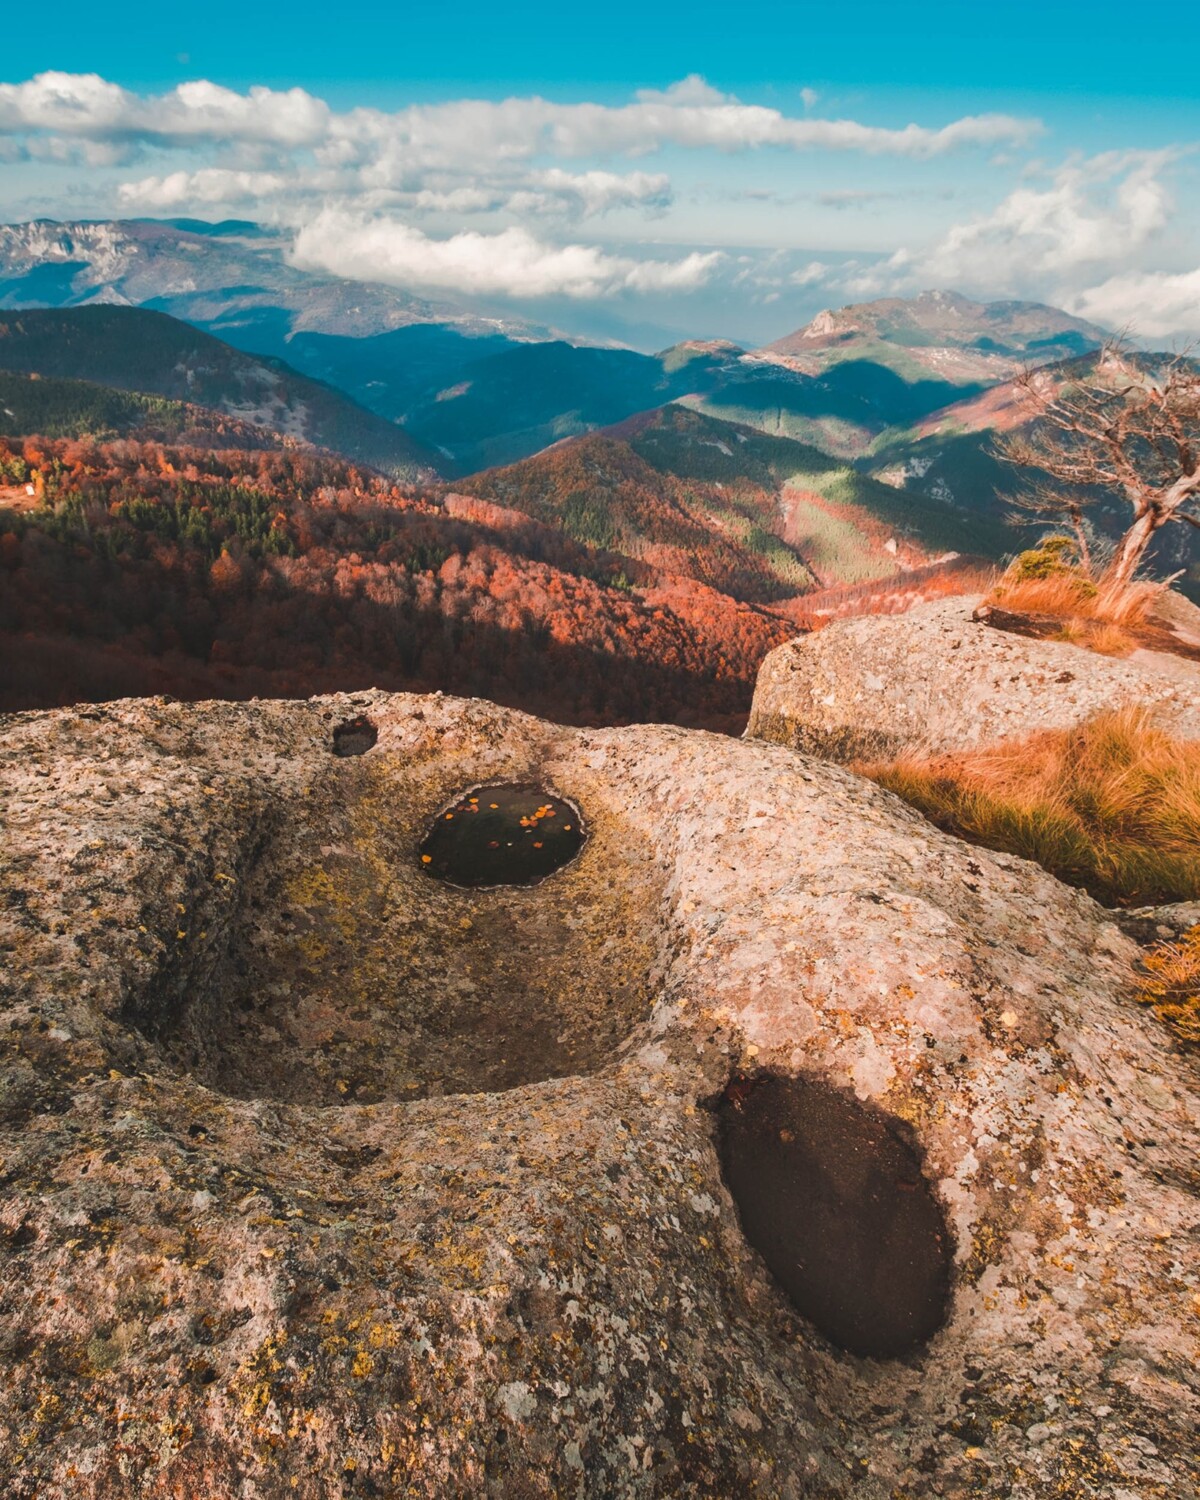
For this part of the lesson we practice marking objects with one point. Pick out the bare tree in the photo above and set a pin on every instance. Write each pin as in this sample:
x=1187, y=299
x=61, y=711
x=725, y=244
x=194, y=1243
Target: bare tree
x=1129, y=427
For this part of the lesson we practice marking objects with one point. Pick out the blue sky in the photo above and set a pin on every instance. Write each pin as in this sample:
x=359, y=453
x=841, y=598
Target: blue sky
x=1011, y=48
x=1055, y=153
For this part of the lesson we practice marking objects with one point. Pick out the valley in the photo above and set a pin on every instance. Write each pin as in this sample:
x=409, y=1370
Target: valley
x=144, y=567
x=413, y=495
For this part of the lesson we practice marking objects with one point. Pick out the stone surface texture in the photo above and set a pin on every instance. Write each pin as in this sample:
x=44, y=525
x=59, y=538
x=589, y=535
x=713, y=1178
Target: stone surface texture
x=935, y=680
x=1158, y=924
x=259, y=1237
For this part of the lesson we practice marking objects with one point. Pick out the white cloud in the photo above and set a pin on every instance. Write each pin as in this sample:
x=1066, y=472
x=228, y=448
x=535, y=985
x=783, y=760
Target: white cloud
x=210, y=186
x=815, y=272
x=1150, y=304
x=1093, y=214
x=512, y=263
x=1084, y=238
x=523, y=192
x=66, y=151
x=689, y=114
x=382, y=173
x=597, y=192
x=387, y=193
x=692, y=114
x=86, y=105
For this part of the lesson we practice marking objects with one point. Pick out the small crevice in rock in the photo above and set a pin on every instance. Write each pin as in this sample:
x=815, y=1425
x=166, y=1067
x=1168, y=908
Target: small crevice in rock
x=355, y=737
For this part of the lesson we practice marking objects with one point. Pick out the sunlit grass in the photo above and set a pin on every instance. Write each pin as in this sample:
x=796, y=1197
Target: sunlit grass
x=838, y=550
x=1173, y=988
x=1112, y=805
x=1074, y=595
x=1096, y=613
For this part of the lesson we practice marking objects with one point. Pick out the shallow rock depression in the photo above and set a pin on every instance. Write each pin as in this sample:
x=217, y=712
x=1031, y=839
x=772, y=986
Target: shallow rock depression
x=752, y=1138
x=833, y=1196
x=340, y=972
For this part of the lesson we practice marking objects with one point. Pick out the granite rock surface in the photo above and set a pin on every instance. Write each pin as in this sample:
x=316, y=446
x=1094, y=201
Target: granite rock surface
x=323, y=1179
x=935, y=680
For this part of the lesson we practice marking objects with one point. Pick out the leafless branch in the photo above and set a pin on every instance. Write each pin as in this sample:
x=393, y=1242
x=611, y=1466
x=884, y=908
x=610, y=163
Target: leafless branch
x=1120, y=425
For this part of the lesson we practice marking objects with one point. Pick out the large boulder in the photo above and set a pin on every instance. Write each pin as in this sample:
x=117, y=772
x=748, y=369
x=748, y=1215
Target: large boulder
x=935, y=679
x=324, y=1177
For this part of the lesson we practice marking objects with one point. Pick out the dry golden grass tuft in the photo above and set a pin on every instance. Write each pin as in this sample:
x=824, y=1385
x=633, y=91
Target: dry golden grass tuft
x=1066, y=593
x=1112, y=805
x=1173, y=989
x=1106, y=639
x=1074, y=596
x=1099, y=636
x=1101, y=615
x=1126, y=603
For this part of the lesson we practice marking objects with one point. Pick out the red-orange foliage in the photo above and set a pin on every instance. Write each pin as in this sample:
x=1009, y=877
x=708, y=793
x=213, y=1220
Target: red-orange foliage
x=599, y=488
x=895, y=595
x=277, y=573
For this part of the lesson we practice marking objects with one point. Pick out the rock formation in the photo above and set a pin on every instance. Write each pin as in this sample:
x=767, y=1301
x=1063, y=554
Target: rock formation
x=936, y=680
x=326, y=1178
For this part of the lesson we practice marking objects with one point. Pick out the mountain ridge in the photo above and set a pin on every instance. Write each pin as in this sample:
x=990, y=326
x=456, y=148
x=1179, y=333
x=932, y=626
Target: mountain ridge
x=485, y=391
x=770, y=517
x=138, y=349
x=945, y=319
x=202, y=276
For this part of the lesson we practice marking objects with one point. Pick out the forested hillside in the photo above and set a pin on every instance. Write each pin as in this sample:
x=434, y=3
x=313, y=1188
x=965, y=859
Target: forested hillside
x=80, y=408
x=761, y=517
x=141, y=568
x=133, y=349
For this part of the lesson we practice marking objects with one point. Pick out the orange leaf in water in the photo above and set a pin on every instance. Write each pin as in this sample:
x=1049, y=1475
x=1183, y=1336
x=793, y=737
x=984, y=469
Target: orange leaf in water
x=427, y=859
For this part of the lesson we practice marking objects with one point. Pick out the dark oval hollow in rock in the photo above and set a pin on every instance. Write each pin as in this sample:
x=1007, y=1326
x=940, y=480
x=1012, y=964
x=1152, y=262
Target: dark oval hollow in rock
x=508, y=834
x=355, y=736
x=835, y=1201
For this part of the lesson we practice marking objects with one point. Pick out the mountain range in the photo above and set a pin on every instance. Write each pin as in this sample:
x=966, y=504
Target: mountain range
x=938, y=335
x=232, y=277
x=497, y=484
x=853, y=373
x=761, y=517
x=135, y=349
x=481, y=388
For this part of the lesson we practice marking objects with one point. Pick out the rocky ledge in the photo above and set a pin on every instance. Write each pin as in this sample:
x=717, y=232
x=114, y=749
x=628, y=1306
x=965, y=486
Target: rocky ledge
x=324, y=1177
x=935, y=679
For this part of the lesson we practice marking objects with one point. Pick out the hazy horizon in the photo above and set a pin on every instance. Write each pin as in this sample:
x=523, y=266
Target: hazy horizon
x=690, y=182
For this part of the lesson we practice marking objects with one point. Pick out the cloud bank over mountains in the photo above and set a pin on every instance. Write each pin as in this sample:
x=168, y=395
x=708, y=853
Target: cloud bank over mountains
x=511, y=263
x=64, y=107
x=1072, y=236
x=653, y=197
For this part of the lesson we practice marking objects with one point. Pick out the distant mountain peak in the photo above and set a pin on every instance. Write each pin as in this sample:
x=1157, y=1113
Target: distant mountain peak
x=225, y=277
x=941, y=316
x=937, y=335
